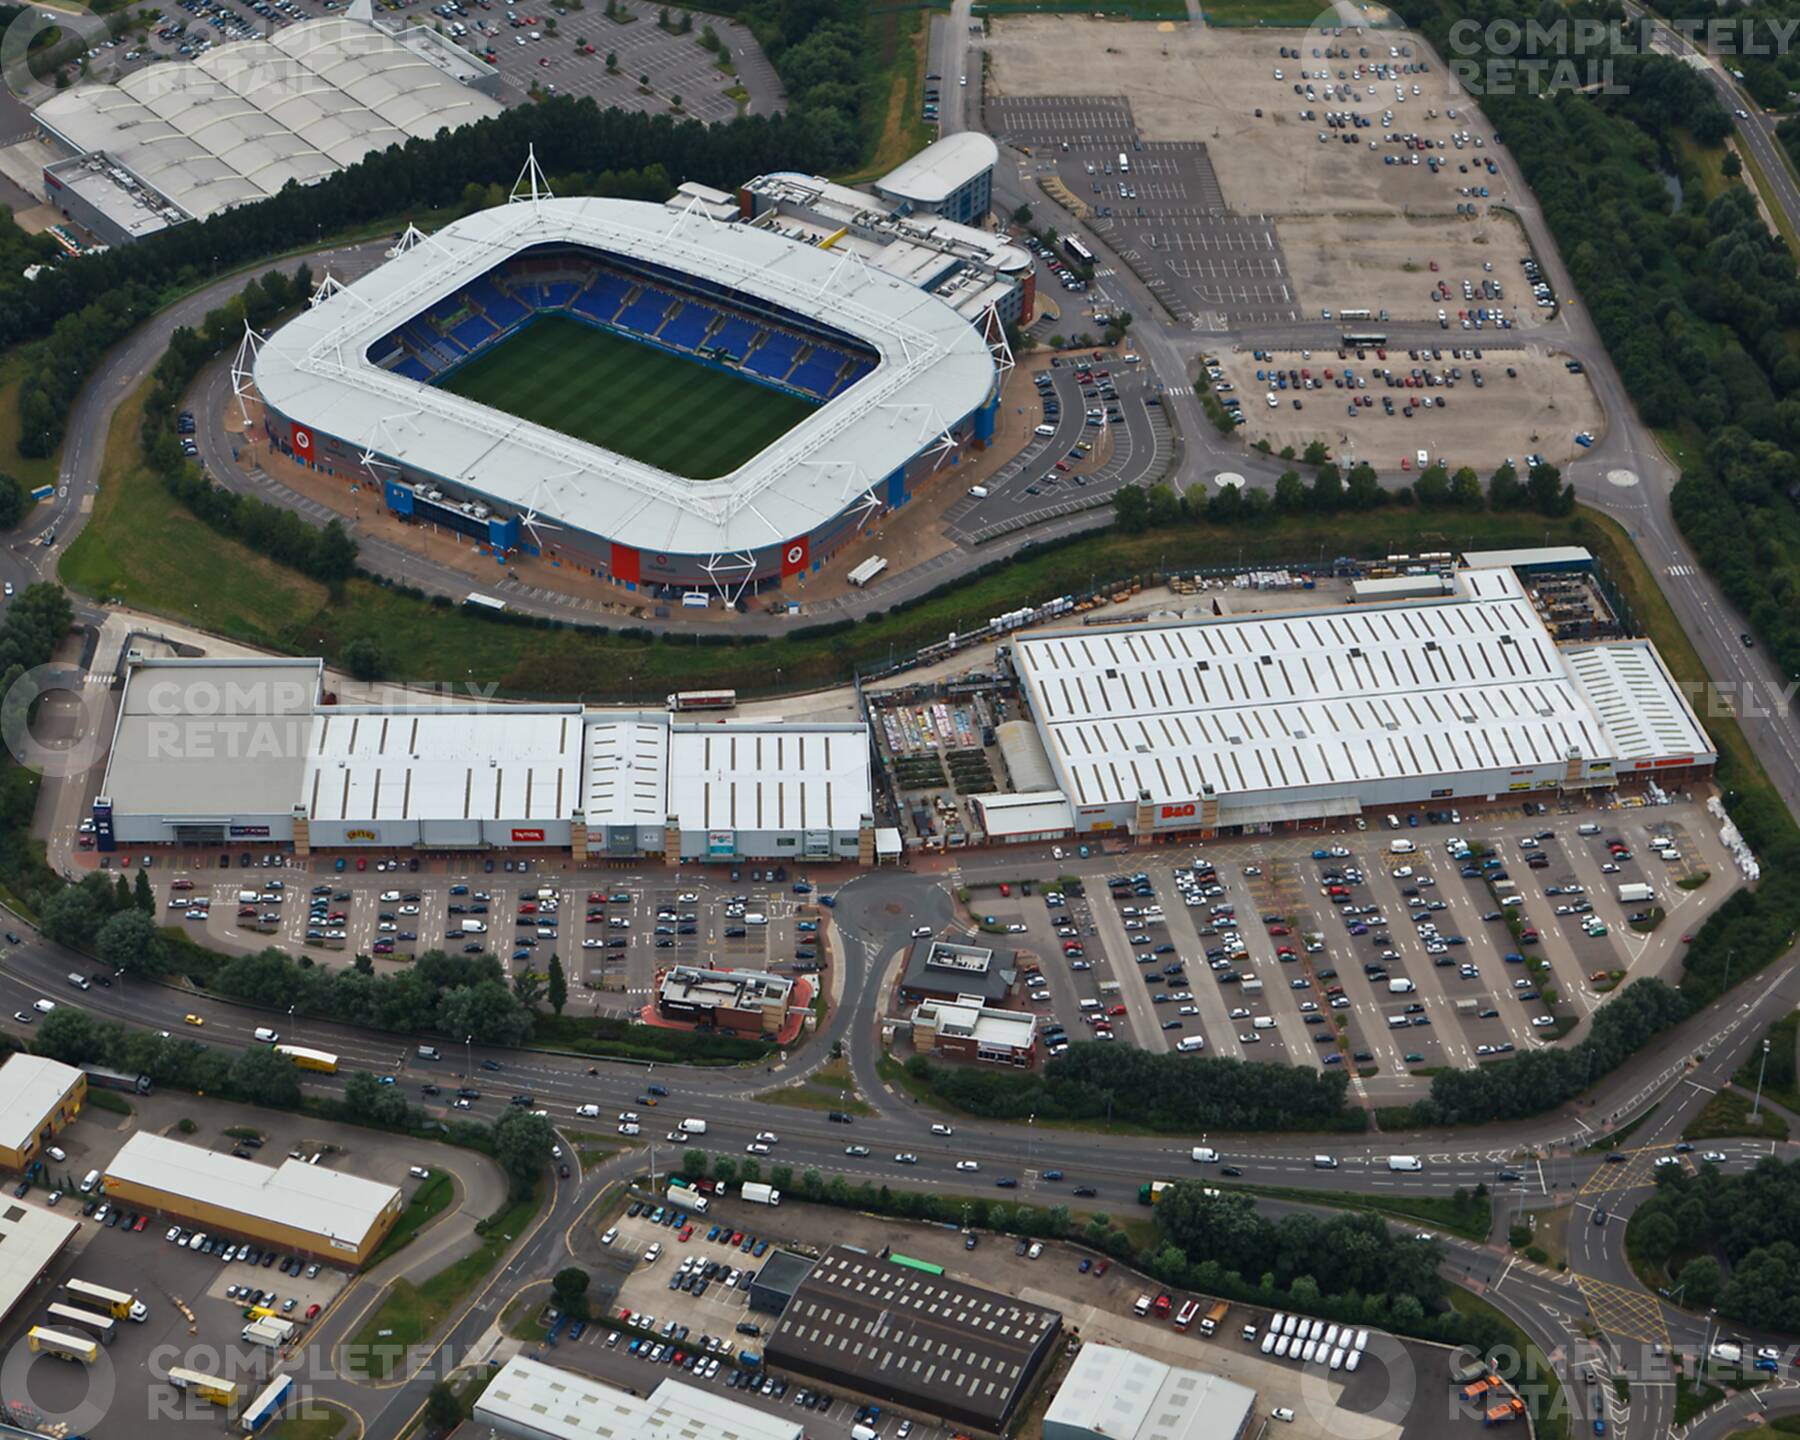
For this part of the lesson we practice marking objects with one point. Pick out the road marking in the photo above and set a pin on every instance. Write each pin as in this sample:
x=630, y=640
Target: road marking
x=1625, y=1313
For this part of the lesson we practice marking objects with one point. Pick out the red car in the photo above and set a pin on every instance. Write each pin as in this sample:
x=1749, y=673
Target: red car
x=737, y=1237
x=140, y=1223
x=595, y=897
x=1687, y=939
x=1005, y=889
x=686, y=1232
x=312, y=1311
x=1281, y=930
x=1115, y=1009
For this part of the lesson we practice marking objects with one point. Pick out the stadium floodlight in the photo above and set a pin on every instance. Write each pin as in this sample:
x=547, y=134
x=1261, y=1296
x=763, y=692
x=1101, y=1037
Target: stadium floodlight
x=993, y=330
x=531, y=186
x=243, y=372
x=533, y=519
x=730, y=574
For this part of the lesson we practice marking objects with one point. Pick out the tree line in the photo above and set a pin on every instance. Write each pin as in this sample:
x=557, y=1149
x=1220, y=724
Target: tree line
x=326, y=553
x=1730, y=1240
x=1162, y=1091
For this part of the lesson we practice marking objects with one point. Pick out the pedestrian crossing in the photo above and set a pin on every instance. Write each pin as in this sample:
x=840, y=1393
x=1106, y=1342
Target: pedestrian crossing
x=1676, y=572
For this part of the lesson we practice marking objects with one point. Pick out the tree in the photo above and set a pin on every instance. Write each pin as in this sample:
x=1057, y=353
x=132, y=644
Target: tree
x=261, y=1077
x=142, y=895
x=570, y=1286
x=522, y=1144
x=1732, y=166
x=724, y=1169
x=1465, y=489
x=1504, y=490
x=528, y=988
x=1131, y=509
x=693, y=1164
x=1700, y=1281
x=1021, y=216
x=71, y=917
x=1656, y=1237
x=1316, y=453
x=612, y=62
x=556, y=986
x=129, y=941
x=12, y=502
x=442, y=1409
x=363, y=658
x=69, y=1035
x=1432, y=488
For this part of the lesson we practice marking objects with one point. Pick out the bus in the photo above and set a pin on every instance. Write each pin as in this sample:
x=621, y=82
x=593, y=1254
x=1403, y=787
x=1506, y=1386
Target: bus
x=1185, y=1316
x=1355, y=315
x=263, y=1408
x=117, y=1080
x=1124, y=163
x=911, y=1264
x=102, y=1327
x=207, y=1387
x=321, y=1060
x=703, y=700
x=76, y=1348
x=1076, y=251
x=115, y=1303
x=1365, y=339
x=476, y=601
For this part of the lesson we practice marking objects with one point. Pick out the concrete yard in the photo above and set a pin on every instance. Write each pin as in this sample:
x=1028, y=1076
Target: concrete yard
x=1539, y=410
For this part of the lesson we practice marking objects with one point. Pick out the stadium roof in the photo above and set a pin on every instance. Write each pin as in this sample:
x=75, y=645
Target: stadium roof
x=212, y=737
x=516, y=763
x=1114, y=1394
x=30, y=1088
x=934, y=370
x=927, y=1341
x=529, y=1398
x=941, y=168
x=1321, y=698
x=239, y=122
x=338, y=1208
x=30, y=1238
x=774, y=776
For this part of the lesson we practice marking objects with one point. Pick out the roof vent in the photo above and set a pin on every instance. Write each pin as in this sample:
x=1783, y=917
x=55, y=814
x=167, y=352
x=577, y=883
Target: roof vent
x=1202, y=665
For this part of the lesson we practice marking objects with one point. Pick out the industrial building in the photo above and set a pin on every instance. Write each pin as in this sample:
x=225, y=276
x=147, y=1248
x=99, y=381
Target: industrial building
x=31, y=1238
x=898, y=1331
x=1245, y=723
x=968, y=1030
x=533, y=1401
x=782, y=1273
x=312, y=1211
x=947, y=970
x=743, y=1002
x=222, y=752
x=172, y=143
x=1114, y=1394
x=37, y=1098
x=952, y=177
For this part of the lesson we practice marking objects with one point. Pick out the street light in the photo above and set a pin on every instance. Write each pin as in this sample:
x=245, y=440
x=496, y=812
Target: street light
x=1756, y=1109
x=468, y=1057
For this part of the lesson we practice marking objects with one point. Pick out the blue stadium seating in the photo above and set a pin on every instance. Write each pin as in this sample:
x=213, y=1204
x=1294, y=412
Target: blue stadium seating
x=818, y=372
x=688, y=328
x=473, y=332
x=855, y=371
x=601, y=299
x=775, y=356
x=498, y=306
x=413, y=369
x=646, y=312
x=556, y=296
x=735, y=335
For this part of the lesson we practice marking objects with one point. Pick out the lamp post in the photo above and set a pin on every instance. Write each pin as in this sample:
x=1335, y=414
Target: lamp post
x=1761, y=1070
x=468, y=1057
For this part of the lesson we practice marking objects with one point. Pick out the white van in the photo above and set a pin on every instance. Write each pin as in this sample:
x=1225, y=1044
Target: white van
x=1324, y=1162
x=89, y=1181
x=1088, y=1005
x=43, y=1007
x=1590, y=828
x=1190, y=1043
x=1405, y=1162
x=1401, y=986
x=693, y=1127
x=266, y=1035
x=1401, y=847
x=1398, y=1022
x=863, y=1432
x=1046, y=430
x=1263, y=1022
x=756, y=917
x=1508, y=901
x=979, y=492
x=1203, y=1155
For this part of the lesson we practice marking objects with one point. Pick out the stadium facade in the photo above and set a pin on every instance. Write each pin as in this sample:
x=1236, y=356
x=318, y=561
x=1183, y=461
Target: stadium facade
x=900, y=380
x=249, y=753
x=1249, y=723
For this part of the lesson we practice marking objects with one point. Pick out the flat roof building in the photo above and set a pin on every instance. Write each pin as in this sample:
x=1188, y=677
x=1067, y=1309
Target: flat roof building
x=1023, y=819
x=946, y=970
x=31, y=1237
x=927, y=1342
x=1261, y=720
x=534, y=1401
x=775, y=1283
x=952, y=177
x=323, y=1213
x=1531, y=559
x=1114, y=1394
x=799, y=791
x=37, y=1098
x=968, y=1030
x=746, y=1002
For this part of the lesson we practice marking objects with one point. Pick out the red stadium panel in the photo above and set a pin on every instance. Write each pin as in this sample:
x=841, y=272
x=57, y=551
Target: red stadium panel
x=303, y=442
x=625, y=567
x=793, y=559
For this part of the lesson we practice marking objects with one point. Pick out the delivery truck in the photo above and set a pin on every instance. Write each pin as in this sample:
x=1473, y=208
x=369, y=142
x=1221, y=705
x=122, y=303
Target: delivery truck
x=1214, y=1317
x=1636, y=893
x=761, y=1194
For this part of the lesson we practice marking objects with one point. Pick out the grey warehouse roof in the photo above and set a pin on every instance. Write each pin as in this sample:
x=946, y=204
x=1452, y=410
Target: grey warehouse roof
x=934, y=370
x=1114, y=1394
x=776, y=776
x=240, y=122
x=30, y=1238
x=1337, y=698
x=941, y=168
x=326, y=1203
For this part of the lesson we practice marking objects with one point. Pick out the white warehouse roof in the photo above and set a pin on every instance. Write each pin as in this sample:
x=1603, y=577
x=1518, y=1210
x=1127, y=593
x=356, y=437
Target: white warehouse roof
x=340, y=1209
x=30, y=1087
x=30, y=1238
x=1318, y=700
x=239, y=122
x=515, y=763
x=1114, y=1394
x=941, y=168
x=934, y=370
x=541, y=1402
x=627, y=779
x=773, y=776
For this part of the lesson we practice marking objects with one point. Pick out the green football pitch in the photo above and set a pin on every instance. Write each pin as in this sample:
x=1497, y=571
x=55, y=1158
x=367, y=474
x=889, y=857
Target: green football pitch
x=686, y=418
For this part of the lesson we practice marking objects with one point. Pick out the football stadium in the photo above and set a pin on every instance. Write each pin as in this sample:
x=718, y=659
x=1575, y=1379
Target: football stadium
x=644, y=394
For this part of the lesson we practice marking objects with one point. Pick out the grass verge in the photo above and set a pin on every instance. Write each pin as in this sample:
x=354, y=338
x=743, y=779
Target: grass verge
x=1541, y=1389
x=1472, y=1218
x=428, y=1202
x=411, y=1314
x=109, y=1100
x=30, y=473
x=831, y=1087
x=1236, y=14
x=1727, y=1115
x=319, y=1421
